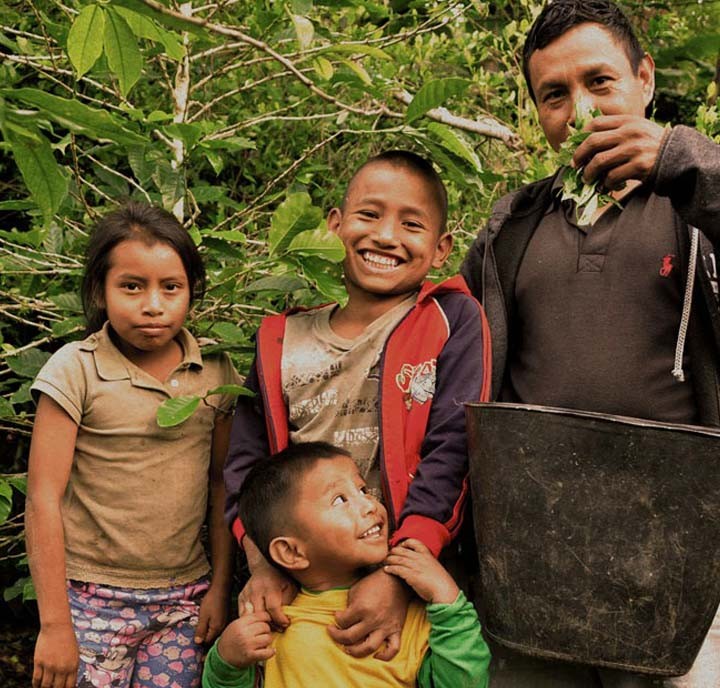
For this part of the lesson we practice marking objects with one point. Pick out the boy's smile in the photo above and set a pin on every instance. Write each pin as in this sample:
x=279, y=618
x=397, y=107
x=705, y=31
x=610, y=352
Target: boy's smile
x=587, y=66
x=391, y=228
x=340, y=526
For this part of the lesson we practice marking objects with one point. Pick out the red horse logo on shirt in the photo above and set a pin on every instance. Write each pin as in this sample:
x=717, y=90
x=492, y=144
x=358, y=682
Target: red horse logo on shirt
x=667, y=265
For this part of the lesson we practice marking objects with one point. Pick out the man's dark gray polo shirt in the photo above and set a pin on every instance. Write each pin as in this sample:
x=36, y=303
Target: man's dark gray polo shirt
x=598, y=313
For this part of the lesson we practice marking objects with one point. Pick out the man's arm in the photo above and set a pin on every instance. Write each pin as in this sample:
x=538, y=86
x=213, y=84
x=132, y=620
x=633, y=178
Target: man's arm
x=676, y=162
x=434, y=506
x=688, y=172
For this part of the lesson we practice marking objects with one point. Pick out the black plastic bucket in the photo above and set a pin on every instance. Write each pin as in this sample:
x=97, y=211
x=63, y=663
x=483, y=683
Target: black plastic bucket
x=598, y=536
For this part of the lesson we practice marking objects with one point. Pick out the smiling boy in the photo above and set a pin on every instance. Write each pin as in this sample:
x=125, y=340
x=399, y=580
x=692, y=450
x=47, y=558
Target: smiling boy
x=620, y=317
x=309, y=511
x=383, y=377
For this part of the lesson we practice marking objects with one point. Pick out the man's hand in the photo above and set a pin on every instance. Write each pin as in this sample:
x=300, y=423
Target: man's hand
x=412, y=561
x=246, y=640
x=268, y=590
x=620, y=148
x=375, y=614
x=56, y=657
x=213, y=615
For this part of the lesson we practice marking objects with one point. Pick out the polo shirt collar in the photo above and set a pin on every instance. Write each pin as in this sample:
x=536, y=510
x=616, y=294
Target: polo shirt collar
x=112, y=365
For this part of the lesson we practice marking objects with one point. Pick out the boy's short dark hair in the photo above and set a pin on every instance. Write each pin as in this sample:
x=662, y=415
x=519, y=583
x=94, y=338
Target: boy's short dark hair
x=269, y=493
x=414, y=163
x=559, y=16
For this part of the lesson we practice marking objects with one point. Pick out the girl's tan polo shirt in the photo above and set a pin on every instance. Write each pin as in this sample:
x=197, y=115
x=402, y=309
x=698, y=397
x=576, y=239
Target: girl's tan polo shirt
x=137, y=495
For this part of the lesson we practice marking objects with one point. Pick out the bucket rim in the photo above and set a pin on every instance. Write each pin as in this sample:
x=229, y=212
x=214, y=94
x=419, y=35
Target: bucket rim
x=607, y=417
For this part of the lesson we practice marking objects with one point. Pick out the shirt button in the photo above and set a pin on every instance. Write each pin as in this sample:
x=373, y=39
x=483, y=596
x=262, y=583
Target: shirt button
x=174, y=383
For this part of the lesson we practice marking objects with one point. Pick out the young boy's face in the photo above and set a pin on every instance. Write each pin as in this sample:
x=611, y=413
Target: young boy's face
x=587, y=66
x=391, y=229
x=342, y=528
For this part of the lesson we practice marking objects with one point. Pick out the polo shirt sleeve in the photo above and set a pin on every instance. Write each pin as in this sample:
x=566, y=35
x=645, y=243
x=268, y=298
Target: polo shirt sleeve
x=63, y=379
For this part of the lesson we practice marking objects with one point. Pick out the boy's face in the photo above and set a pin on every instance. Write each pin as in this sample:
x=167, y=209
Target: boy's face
x=589, y=67
x=390, y=227
x=341, y=527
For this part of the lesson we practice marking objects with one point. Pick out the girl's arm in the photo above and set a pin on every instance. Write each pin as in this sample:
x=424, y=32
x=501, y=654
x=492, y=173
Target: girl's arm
x=214, y=607
x=51, y=456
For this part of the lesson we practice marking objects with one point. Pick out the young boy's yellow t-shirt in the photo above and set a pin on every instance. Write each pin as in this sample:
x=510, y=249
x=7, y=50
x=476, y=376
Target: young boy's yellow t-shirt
x=318, y=661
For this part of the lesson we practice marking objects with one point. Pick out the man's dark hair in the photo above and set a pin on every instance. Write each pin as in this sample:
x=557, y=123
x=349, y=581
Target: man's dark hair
x=416, y=164
x=559, y=16
x=269, y=493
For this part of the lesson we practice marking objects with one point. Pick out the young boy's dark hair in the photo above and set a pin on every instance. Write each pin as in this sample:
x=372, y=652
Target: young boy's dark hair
x=268, y=494
x=560, y=16
x=416, y=164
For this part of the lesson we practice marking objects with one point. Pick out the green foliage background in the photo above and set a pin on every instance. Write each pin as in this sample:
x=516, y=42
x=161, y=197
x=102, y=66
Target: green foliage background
x=245, y=118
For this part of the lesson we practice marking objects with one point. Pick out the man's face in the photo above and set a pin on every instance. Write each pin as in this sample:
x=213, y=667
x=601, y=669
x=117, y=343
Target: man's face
x=587, y=66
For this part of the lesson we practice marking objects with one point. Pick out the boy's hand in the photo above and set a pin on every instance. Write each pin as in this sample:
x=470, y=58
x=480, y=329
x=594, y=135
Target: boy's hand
x=246, y=640
x=412, y=561
x=620, y=148
x=375, y=614
x=268, y=590
x=56, y=657
x=213, y=615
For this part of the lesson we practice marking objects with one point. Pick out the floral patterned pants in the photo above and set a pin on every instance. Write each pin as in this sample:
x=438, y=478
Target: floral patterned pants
x=130, y=638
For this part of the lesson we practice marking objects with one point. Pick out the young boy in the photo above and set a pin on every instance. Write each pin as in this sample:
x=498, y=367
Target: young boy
x=308, y=511
x=383, y=377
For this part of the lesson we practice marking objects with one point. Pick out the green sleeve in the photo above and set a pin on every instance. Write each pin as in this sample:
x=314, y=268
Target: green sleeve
x=458, y=656
x=219, y=674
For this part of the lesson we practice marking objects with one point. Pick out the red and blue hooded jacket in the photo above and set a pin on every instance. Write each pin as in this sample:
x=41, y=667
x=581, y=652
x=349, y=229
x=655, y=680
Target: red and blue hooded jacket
x=423, y=447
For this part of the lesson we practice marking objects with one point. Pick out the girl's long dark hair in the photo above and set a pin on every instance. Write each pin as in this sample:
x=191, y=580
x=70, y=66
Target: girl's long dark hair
x=134, y=221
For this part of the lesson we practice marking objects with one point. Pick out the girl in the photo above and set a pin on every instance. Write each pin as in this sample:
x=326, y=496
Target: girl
x=115, y=503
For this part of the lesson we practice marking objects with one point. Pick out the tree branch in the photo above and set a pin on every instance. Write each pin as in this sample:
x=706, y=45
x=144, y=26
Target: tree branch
x=485, y=126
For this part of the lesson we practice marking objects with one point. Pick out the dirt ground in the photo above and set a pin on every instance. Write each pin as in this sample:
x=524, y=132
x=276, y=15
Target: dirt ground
x=16, y=650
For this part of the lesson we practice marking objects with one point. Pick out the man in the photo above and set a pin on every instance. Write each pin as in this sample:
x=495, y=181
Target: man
x=600, y=317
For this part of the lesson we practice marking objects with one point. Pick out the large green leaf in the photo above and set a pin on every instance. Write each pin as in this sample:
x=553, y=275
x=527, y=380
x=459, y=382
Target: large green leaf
x=303, y=30
x=76, y=116
x=175, y=411
x=5, y=500
x=318, y=242
x=235, y=390
x=229, y=333
x=166, y=20
x=327, y=279
x=6, y=408
x=358, y=49
x=456, y=143
x=123, y=55
x=42, y=175
x=28, y=363
x=144, y=27
x=85, y=40
x=294, y=215
x=433, y=94
x=285, y=284
x=19, y=483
